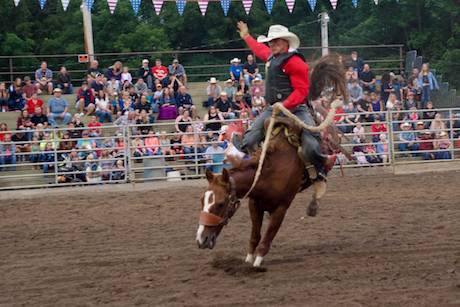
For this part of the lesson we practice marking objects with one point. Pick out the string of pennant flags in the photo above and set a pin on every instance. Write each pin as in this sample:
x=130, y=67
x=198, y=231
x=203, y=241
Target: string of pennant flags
x=202, y=4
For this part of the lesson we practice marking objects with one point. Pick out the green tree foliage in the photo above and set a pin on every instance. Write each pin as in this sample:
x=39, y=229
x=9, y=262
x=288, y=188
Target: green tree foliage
x=430, y=26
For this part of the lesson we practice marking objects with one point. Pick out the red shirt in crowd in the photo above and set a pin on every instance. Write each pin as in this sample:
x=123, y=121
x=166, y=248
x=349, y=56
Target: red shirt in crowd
x=295, y=67
x=160, y=72
x=32, y=104
x=94, y=127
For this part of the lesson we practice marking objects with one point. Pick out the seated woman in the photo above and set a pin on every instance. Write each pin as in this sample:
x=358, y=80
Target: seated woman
x=152, y=144
x=442, y=144
x=47, y=158
x=119, y=172
x=138, y=147
x=213, y=119
x=183, y=121
x=16, y=100
x=189, y=140
x=168, y=108
x=103, y=108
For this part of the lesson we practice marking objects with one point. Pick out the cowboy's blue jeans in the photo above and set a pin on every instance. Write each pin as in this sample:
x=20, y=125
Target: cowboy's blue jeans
x=310, y=141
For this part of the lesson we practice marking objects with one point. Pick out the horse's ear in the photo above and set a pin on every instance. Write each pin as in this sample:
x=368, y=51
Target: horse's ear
x=225, y=175
x=209, y=175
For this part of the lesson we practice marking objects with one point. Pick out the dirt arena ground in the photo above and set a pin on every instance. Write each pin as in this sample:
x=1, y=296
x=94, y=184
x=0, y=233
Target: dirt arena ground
x=377, y=241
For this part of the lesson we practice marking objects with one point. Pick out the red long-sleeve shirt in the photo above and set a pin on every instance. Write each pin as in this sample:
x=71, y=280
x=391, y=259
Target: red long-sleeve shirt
x=295, y=68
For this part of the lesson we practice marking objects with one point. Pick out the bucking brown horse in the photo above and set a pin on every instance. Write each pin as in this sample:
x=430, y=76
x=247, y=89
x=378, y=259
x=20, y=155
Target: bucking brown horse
x=281, y=178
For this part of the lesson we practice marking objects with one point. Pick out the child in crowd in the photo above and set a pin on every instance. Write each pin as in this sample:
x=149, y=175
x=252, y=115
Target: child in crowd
x=126, y=76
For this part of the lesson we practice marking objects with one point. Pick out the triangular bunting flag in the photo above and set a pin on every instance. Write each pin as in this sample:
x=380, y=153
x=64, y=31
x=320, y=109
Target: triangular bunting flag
x=65, y=4
x=135, y=4
x=112, y=5
x=89, y=4
x=16, y=2
x=225, y=4
x=157, y=4
x=290, y=5
x=180, y=4
x=376, y=2
x=203, y=4
x=312, y=4
x=355, y=3
x=247, y=4
x=334, y=4
x=269, y=5
x=42, y=3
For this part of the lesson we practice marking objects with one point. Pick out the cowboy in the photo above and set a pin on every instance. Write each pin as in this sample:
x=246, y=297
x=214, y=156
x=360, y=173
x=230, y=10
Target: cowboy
x=286, y=82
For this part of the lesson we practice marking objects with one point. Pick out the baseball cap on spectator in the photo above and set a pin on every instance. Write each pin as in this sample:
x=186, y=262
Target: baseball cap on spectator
x=235, y=60
x=175, y=61
x=419, y=123
x=406, y=124
x=212, y=80
x=26, y=78
x=57, y=90
x=145, y=61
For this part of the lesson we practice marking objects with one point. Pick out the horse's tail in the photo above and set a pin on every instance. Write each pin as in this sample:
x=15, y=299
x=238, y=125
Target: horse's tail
x=328, y=78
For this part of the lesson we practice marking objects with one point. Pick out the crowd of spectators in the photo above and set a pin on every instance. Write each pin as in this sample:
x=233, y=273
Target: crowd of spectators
x=83, y=152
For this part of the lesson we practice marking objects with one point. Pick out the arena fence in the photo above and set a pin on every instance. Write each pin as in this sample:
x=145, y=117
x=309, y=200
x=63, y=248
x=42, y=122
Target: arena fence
x=141, y=153
x=200, y=64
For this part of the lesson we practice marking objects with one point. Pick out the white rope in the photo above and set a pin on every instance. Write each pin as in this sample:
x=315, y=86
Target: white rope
x=279, y=108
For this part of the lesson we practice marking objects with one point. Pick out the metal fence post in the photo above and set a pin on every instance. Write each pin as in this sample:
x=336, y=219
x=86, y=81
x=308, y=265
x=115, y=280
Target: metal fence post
x=127, y=145
x=10, y=61
x=451, y=137
x=55, y=156
x=391, y=140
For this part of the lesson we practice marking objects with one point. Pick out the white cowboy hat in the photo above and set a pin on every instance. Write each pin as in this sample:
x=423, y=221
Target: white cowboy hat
x=235, y=60
x=212, y=80
x=279, y=31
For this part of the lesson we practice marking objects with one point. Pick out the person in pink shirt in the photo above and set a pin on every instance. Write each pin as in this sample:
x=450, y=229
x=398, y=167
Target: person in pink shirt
x=160, y=72
x=152, y=144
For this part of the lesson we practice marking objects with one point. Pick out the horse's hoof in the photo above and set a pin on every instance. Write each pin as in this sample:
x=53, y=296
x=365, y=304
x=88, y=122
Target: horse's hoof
x=249, y=258
x=258, y=261
x=312, y=209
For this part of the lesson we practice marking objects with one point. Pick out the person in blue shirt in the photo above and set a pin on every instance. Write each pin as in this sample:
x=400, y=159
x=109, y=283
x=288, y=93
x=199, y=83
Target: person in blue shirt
x=236, y=72
x=408, y=139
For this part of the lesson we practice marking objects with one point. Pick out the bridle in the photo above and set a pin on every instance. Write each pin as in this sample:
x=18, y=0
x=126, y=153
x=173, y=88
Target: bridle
x=211, y=219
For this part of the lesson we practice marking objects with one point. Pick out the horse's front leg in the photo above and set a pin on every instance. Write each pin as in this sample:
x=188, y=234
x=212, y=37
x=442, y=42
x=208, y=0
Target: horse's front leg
x=276, y=219
x=257, y=217
x=319, y=191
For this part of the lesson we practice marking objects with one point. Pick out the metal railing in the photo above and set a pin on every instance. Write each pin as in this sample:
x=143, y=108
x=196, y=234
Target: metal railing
x=141, y=153
x=213, y=62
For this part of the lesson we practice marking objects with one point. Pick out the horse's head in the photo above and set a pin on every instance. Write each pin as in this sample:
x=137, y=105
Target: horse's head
x=218, y=204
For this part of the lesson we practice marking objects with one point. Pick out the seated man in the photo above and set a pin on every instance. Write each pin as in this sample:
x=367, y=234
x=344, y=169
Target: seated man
x=29, y=89
x=58, y=107
x=225, y=106
x=93, y=69
x=44, y=78
x=407, y=139
x=236, y=72
x=184, y=100
x=250, y=70
x=64, y=81
x=214, y=155
x=85, y=99
x=39, y=118
x=145, y=74
x=177, y=71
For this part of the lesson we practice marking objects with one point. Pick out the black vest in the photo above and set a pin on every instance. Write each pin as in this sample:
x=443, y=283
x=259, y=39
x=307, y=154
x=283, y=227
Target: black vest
x=277, y=85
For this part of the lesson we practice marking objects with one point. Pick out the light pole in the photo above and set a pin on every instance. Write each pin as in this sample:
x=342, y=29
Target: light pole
x=324, y=35
x=87, y=31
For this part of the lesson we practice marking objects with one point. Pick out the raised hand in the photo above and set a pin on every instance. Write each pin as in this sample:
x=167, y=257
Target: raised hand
x=242, y=29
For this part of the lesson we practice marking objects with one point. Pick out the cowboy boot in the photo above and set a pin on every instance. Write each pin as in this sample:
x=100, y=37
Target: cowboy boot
x=325, y=167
